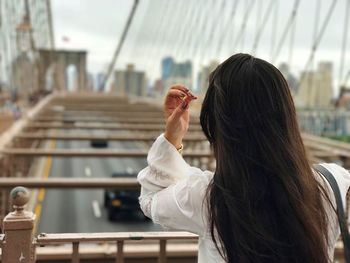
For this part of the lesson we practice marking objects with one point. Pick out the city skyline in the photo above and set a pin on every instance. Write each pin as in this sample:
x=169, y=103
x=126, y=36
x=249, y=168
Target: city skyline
x=100, y=39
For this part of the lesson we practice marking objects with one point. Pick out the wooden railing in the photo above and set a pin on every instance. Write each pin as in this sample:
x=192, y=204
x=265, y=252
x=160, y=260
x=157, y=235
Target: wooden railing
x=19, y=245
x=118, y=238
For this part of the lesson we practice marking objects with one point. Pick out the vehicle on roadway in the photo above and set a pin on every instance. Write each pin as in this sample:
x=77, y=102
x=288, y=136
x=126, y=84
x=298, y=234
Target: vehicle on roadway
x=122, y=203
x=99, y=143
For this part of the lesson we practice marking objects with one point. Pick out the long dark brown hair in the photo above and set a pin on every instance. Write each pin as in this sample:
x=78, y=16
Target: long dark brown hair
x=264, y=203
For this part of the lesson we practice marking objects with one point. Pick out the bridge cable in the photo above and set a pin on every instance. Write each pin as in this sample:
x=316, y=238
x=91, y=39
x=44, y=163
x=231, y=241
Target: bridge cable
x=197, y=37
x=50, y=24
x=286, y=30
x=136, y=51
x=216, y=25
x=171, y=36
x=120, y=44
x=186, y=22
x=191, y=35
x=184, y=34
x=291, y=42
x=344, y=44
x=201, y=43
x=211, y=31
x=164, y=49
x=173, y=28
x=262, y=26
x=316, y=26
x=147, y=36
x=247, y=13
x=155, y=34
x=187, y=43
x=274, y=27
x=208, y=43
x=319, y=38
x=228, y=27
x=191, y=31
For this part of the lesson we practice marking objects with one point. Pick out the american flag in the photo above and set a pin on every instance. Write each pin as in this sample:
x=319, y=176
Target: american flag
x=65, y=39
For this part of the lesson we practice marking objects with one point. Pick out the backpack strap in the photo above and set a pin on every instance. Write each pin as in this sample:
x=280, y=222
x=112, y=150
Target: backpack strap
x=340, y=210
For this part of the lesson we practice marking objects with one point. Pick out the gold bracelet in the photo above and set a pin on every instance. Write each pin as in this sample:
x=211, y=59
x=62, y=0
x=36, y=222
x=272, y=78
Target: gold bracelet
x=180, y=149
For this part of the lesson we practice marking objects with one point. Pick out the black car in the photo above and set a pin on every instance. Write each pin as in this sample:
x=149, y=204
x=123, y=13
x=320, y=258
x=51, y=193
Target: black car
x=99, y=143
x=122, y=202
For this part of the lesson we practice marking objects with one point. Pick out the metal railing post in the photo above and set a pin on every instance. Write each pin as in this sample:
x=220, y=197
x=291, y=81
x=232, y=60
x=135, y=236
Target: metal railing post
x=75, y=255
x=18, y=227
x=120, y=252
x=162, y=251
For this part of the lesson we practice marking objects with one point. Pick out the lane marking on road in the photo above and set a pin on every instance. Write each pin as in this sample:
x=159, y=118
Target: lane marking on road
x=88, y=171
x=96, y=209
x=37, y=210
x=41, y=194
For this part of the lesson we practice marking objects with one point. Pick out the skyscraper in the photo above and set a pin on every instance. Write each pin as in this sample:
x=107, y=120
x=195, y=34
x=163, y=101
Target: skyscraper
x=203, y=77
x=174, y=73
x=130, y=82
x=167, y=65
x=315, y=89
x=291, y=79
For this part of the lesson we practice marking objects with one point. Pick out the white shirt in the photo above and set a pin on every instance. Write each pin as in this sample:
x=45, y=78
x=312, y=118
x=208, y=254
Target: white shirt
x=173, y=194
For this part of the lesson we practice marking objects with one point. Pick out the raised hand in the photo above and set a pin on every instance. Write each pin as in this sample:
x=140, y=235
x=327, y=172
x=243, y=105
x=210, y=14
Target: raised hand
x=176, y=112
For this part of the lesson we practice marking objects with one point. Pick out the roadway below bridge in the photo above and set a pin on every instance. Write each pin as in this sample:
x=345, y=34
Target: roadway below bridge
x=82, y=210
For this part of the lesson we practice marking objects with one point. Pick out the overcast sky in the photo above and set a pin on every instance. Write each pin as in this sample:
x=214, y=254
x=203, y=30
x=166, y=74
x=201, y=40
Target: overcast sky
x=199, y=30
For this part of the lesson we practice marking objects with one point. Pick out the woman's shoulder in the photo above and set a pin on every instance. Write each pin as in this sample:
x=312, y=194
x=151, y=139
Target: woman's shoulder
x=341, y=175
x=339, y=172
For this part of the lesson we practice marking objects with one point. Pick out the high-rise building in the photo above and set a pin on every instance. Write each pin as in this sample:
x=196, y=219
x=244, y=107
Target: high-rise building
x=303, y=97
x=174, y=73
x=323, y=96
x=100, y=81
x=130, y=82
x=158, y=88
x=167, y=65
x=203, y=77
x=291, y=79
x=315, y=90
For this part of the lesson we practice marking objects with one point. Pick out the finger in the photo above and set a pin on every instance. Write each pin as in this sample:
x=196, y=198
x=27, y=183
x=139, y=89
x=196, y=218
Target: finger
x=180, y=110
x=188, y=99
x=184, y=89
x=176, y=93
x=189, y=93
x=179, y=87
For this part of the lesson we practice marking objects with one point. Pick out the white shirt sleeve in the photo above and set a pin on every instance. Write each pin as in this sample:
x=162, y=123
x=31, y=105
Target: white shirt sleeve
x=173, y=192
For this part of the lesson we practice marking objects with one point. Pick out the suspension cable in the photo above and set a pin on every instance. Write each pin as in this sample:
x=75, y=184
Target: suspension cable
x=262, y=26
x=120, y=44
x=319, y=37
x=344, y=44
x=228, y=27
x=286, y=30
x=274, y=27
x=247, y=13
x=155, y=33
x=215, y=26
x=50, y=24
